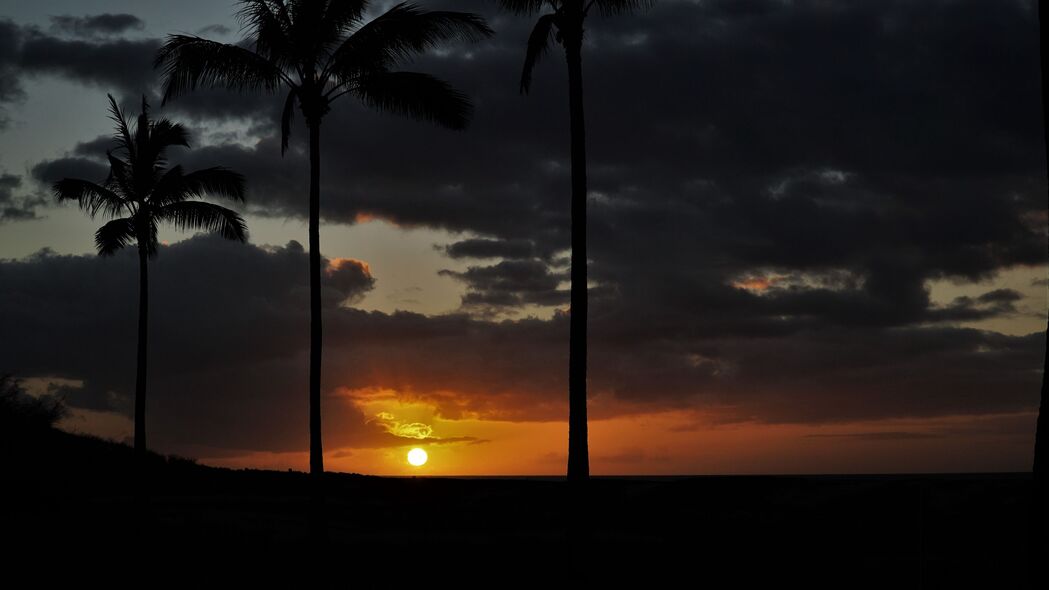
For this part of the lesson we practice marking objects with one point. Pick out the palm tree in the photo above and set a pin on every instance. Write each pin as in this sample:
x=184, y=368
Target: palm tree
x=319, y=51
x=1041, y=436
x=565, y=25
x=140, y=193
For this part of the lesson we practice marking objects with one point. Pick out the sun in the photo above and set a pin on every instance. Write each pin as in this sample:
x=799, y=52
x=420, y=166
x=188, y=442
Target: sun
x=417, y=457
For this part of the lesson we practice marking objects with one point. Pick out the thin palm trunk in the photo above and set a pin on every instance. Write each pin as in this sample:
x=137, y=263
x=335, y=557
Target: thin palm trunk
x=316, y=448
x=1041, y=436
x=578, y=454
x=143, y=330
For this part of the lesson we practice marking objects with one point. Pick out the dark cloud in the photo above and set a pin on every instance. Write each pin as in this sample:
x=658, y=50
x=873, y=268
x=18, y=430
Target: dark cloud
x=229, y=338
x=768, y=156
x=49, y=171
x=117, y=65
x=219, y=30
x=241, y=343
x=511, y=283
x=10, y=88
x=350, y=279
x=95, y=25
x=14, y=207
x=480, y=248
x=91, y=51
x=95, y=148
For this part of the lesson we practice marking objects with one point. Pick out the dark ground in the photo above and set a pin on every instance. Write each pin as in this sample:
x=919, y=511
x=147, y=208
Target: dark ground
x=70, y=499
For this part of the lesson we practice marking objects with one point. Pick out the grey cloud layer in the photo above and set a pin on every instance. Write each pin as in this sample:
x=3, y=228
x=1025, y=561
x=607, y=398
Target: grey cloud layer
x=229, y=349
x=95, y=25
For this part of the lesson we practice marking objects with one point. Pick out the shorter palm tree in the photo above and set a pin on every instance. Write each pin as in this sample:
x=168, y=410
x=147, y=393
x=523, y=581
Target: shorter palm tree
x=140, y=193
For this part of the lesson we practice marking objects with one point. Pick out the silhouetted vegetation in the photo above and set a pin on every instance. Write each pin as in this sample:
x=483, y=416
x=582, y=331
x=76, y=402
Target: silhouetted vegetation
x=319, y=52
x=20, y=411
x=141, y=186
x=565, y=25
x=919, y=531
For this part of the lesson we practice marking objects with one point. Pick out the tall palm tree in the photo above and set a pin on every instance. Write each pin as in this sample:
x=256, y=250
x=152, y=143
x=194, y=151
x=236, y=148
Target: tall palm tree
x=319, y=51
x=565, y=25
x=142, y=192
x=1041, y=436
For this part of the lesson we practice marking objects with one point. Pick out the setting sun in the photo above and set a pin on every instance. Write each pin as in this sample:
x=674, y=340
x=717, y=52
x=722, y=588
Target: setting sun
x=417, y=457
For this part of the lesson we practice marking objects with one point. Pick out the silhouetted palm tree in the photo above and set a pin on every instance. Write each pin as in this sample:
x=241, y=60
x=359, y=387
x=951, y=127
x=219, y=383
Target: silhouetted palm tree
x=565, y=25
x=141, y=192
x=1041, y=436
x=318, y=51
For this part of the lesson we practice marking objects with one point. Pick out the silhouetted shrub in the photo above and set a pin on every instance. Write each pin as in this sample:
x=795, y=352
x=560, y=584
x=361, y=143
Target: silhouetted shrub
x=19, y=410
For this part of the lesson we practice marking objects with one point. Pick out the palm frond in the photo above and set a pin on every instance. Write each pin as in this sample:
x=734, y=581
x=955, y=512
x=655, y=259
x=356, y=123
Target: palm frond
x=164, y=134
x=343, y=15
x=399, y=34
x=418, y=96
x=91, y=197
x=271, y=30
x=538, y=44
x=310, y=33
x=115, y=235
x=142, y=135
x=123, y=135
x=198, y=215
x=160, y=135
x=120, y=176
x=175, y=187
x=620, y=7
x=523, y=7
x=189, y=62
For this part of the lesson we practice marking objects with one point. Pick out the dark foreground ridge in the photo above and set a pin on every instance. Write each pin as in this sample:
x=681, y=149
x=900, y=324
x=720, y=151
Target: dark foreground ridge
x=72, y=498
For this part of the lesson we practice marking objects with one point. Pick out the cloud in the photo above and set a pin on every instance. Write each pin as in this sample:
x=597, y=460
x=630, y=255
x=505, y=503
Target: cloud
x=120, y=65
x=416, y=432
x=879, y=436
x=98, y=25
x=818, y=173
x=92, y=50
x=217, y=29
x=50, y=171
x=229, y=342
x=481, y=248
x=350, y=278
x=17, y=208
x=511, y=283
x=11, y=90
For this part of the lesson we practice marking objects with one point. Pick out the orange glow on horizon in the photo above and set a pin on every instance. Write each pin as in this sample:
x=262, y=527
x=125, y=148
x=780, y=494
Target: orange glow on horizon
x=672, y=442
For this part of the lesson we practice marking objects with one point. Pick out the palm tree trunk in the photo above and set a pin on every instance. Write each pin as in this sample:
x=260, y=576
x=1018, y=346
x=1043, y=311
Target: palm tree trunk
x=578, y=454
x=316, y=448
x=140, y=374
x=1041, y=437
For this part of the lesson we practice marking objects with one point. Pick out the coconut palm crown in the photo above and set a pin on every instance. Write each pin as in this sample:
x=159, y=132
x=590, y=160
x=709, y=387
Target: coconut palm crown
x=139, y=194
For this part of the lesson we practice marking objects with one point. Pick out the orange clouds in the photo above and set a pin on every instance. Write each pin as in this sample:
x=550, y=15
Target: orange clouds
x=338, y=264
x=757, y=284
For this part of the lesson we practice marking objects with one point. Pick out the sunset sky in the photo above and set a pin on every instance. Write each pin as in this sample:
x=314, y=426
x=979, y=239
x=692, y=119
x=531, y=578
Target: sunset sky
x=817, y=241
